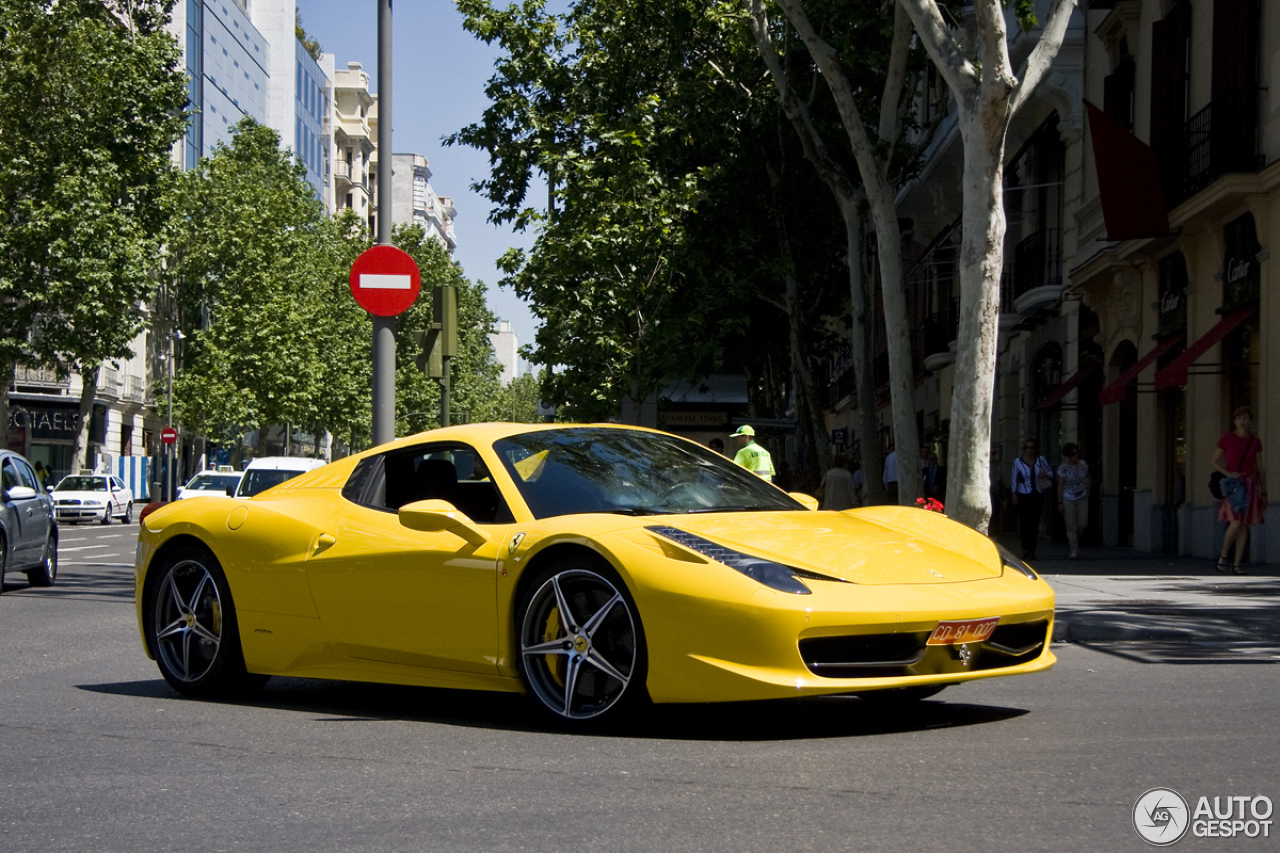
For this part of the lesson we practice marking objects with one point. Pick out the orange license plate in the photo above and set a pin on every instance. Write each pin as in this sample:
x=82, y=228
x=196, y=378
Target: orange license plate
x=966, y=631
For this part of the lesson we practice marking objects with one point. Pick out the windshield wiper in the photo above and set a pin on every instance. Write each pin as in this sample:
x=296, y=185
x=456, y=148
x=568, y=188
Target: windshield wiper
x=742, y=508
x=637, y=510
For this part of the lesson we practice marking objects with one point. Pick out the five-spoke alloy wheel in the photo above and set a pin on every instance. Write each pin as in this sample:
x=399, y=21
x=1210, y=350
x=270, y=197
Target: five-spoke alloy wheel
x=191, y=626
x=581, y=644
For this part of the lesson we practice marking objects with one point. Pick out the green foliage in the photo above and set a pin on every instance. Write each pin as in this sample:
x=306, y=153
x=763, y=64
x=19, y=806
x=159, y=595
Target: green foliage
x=662, y=257
x=258, y=276
x=521, y=404
x=90, y=106
x=309, y=44
x=475, y=393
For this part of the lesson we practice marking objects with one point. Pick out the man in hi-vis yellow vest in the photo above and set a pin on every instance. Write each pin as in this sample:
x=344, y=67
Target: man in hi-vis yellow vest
x=752, y=456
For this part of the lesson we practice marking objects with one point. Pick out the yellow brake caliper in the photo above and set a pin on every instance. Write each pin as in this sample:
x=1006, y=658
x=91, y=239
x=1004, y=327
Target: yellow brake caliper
x=555, y=663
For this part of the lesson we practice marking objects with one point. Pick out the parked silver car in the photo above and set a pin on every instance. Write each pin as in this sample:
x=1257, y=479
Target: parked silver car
x=28, y=529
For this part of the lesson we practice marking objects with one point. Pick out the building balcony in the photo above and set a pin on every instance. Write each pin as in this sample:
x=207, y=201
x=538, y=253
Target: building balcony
x=1037, y=271
x=40, y=379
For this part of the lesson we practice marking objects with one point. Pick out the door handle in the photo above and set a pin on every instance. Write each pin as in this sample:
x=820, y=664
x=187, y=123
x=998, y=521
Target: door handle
x=323, y=543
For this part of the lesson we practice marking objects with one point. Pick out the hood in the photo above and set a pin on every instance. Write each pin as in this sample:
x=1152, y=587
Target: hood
x=863, y=547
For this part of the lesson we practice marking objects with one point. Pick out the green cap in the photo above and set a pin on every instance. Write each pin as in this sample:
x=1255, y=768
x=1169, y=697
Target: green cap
x=745, y=429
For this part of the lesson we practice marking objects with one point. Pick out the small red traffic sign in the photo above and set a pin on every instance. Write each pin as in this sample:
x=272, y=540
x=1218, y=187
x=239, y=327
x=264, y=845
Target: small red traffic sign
x=168, y=435
x=385, y=280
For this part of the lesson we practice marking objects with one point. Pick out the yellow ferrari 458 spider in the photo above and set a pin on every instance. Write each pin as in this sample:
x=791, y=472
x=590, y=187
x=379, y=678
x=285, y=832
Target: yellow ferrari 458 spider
x=592, y=567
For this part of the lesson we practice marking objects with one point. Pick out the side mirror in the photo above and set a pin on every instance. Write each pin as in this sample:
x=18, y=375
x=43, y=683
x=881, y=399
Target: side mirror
x=19, y=493
x=436, y=515
x=809, y=501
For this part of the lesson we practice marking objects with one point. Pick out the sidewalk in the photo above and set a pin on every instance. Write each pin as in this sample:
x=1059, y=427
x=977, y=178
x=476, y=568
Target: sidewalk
x=1114, y=595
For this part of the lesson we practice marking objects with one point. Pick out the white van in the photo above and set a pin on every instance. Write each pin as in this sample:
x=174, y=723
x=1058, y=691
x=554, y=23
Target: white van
x=262, y=474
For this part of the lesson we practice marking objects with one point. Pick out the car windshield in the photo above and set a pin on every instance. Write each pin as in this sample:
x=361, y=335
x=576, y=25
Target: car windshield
x=562, y=472
x=261, y=479
x=82, y=484
x=214, y=482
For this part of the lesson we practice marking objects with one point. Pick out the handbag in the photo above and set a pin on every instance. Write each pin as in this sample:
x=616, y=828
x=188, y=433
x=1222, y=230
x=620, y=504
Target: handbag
x=1044, y=482
x=1216, y=478
x=1215, y=484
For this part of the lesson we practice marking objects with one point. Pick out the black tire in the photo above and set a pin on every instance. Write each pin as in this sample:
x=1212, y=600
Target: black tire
x=106, y=513
x=46, y=574
x=128, y=513
x=592, y=668
x=191, y=627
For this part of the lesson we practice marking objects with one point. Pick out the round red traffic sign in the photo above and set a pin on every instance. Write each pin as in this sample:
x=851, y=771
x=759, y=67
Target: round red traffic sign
x=168, y=435
x=385, y=280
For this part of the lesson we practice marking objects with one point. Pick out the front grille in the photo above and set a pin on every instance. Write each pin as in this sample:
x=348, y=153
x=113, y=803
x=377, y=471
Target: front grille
x=907, y=653
x=863, y=655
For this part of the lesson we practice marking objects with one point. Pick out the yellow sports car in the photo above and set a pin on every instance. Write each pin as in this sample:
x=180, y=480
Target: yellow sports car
x=593, y=567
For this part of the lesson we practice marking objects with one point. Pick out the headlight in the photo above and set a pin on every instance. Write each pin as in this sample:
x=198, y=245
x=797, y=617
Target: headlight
x=1014, y=563
x=771, y=574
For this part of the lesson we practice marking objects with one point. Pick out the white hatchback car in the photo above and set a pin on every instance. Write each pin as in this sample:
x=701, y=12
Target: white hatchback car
x=220, y=483
x=92, y=497
x=262, y=474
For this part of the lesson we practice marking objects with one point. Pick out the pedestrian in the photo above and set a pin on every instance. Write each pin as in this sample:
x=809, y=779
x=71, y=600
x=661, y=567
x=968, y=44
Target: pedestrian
x=889, y=477
x=1032, y=477
x=42, y=474
x=717, y=445
x=838, y=490
x=1239, y=457
x=752, y=456
x=932, y=475
x=1073, y=496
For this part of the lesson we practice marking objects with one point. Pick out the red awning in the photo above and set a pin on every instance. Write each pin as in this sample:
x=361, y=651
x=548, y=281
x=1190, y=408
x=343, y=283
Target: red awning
x=1055, y=397
x=1114, y=392
x=1128, y=180
x=1175, y=373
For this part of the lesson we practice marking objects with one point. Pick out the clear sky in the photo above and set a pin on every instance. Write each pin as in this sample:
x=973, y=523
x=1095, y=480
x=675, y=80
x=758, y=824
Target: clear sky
x=439, y=71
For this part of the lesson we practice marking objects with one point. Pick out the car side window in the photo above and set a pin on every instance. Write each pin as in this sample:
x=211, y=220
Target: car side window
x=452, y=472
x=117, y=484
x=8, y=474
x=27, y=476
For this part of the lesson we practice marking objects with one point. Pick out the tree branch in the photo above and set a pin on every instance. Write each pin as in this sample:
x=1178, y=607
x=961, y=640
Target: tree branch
x=1043, y=54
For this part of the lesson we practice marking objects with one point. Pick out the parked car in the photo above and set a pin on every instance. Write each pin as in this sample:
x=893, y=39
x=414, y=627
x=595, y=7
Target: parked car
x=28, y=529
x=262, y=474
x=93, y=497
x=591, y=567
x=221, y=482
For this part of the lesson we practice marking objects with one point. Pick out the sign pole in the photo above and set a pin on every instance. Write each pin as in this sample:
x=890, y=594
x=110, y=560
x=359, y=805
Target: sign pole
x=384, y=328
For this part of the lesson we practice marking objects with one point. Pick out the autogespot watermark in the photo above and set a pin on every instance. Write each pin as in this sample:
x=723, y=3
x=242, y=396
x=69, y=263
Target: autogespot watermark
x=1162, y=817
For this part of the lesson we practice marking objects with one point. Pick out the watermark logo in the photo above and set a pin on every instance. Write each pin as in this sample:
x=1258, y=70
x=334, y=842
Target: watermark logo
x=1161, y=816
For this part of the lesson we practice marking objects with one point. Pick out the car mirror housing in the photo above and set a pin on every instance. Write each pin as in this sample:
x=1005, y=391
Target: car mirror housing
x=20, y=493
x=809, y=501
x=437, y=515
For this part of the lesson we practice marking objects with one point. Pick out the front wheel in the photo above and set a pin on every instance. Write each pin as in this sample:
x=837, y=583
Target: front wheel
x=191, y=626
x=46, y=574
x=128, y=513
x=582, y=652
x=106, y=514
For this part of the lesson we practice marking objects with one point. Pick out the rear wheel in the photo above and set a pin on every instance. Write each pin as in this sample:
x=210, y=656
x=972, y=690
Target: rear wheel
x=582, y=653
x=46, y=574
x=191, y=627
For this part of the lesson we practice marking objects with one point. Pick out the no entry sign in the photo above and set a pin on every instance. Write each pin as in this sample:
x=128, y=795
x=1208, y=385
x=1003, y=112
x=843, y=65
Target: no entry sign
x=168, y=435
x=385, y=281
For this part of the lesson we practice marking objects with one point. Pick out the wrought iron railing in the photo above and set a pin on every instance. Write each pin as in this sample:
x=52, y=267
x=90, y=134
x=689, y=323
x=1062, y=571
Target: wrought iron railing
x=1037, y=262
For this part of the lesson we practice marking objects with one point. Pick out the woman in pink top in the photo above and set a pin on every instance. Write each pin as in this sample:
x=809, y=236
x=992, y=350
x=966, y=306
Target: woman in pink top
x=1239, y=455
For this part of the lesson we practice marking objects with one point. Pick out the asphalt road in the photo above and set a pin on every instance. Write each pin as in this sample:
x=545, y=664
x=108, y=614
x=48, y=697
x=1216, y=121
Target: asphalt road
x=97, y=753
